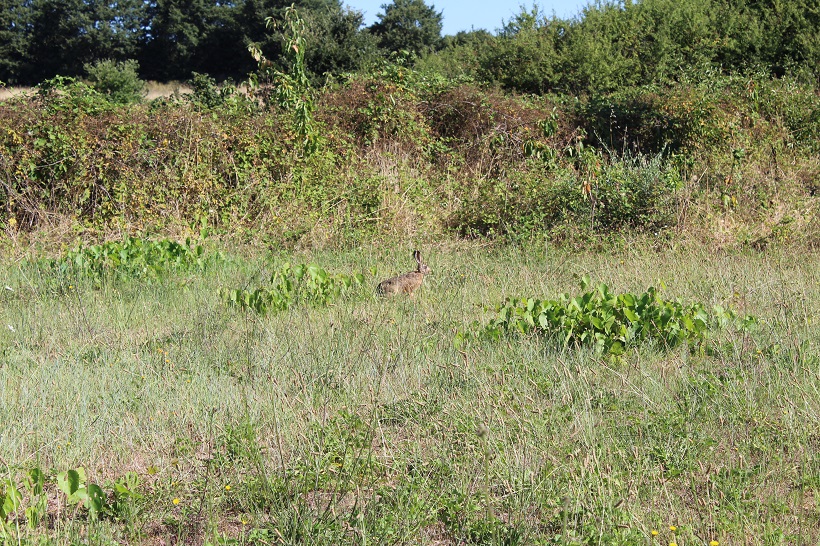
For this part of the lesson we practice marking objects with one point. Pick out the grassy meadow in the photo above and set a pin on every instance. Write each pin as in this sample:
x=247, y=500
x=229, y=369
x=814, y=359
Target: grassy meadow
x=361, y=422
x=217, y=391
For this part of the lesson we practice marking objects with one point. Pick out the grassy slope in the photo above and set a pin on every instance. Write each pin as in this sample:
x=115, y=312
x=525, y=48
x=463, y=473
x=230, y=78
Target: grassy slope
x=361, y=422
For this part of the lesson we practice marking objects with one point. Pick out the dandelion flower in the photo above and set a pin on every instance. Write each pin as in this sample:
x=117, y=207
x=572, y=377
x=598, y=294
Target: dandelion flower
x=654, y=533
x=176, y=500
x=227, y=488
x=714, y=543
x=673, y=528
x=673, y=544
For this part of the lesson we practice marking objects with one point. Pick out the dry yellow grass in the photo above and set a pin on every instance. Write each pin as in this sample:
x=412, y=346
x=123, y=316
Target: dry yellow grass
x=167, y=89
x=9, y=92
x=154, y=90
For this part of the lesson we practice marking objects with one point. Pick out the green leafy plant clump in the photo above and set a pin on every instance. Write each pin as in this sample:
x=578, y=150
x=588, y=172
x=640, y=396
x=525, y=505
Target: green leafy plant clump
x=290, y=286
x=29, y=497
x=118, y=81
x=132, y=257
x=610, y=323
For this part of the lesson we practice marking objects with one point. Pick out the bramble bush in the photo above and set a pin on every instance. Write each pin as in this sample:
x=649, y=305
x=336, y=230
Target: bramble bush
x=406, y=153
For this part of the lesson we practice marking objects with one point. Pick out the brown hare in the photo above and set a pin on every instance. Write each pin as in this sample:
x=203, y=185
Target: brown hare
x=407, y=283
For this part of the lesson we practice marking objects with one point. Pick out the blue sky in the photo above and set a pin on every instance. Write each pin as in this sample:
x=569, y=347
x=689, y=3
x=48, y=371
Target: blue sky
x=486, y=14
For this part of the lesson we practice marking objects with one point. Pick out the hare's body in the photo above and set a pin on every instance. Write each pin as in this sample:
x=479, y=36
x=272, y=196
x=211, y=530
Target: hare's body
x=407, y=283
x=403, y=284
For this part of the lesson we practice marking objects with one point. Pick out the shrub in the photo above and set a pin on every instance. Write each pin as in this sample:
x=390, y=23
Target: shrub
x=119, y=81
x=588, y=189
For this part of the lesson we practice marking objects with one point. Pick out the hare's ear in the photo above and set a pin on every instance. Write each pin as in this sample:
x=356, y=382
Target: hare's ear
x=417, y=256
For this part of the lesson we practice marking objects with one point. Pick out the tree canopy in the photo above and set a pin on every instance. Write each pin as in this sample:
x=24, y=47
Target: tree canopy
x=408, y=25
x=608, y=46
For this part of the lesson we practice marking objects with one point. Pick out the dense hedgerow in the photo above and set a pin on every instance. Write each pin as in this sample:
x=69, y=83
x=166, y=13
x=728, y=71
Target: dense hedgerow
x=404, y=155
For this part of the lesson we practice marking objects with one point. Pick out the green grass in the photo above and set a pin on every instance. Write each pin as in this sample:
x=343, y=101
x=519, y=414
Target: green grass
x=360, y=422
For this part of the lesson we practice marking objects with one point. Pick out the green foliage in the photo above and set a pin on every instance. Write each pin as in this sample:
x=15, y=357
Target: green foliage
x=368, y=423
x=292, y=92
x=132, y=257
x=525, y=55
x=13, y=18
x=343, y=446
x=208, y=95
x=585, y=189
x=116, y=500
x=408, y=25
x=613, y=46
x=458, y=56
x=608, y=47
x=338, y=45
x=64, y=95
x=53, y=38
x=470, y=523
x=126, y=499
x=11, y=499
x=407, y=151
x=178, y=27
x=293, y=286
x=633, y=192
x=73, y=484
x=609, y=323
x=119, y=81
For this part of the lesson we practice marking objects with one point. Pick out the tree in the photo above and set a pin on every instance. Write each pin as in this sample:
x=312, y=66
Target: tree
x=336, y=41
x=14, y=16
x=116, y=28
x=51, y=37
x=409, y=25
x=459, y=55
x=526, y=54
x=176, y=29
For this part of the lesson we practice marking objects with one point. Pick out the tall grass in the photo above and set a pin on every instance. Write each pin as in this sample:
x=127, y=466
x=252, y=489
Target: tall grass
x=360, y=422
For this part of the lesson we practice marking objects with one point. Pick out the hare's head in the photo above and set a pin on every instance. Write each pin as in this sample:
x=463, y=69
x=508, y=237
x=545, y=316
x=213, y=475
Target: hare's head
x=422, y=268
